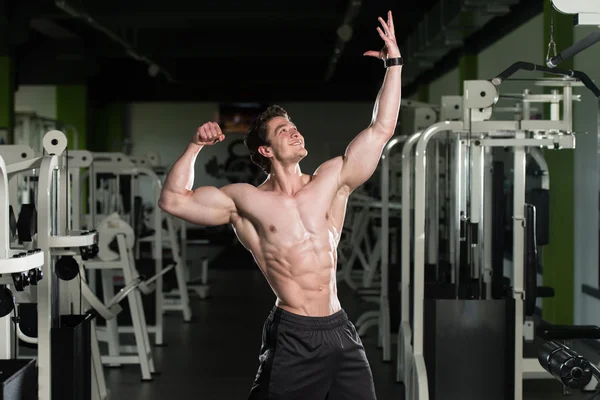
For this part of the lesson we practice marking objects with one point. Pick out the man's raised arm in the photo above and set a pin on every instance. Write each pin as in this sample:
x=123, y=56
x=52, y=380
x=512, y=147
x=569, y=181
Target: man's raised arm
x=206, y=205
x=364, y=152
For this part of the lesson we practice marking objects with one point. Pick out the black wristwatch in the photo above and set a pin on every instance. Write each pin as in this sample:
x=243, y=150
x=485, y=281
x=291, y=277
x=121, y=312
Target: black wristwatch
x=393, y=61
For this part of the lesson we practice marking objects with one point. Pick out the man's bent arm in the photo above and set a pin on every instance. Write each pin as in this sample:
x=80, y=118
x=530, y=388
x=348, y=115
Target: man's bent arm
x=364, y=152
x=206, y=205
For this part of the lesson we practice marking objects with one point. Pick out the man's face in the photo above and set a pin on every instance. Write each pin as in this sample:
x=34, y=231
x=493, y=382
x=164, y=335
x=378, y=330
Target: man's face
x=287, y=144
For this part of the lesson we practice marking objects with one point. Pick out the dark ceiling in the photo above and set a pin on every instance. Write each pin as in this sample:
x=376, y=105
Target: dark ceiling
x=206, y=49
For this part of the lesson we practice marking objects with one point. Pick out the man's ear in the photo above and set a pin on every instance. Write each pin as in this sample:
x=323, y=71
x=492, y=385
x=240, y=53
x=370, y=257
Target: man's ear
x=265, y=151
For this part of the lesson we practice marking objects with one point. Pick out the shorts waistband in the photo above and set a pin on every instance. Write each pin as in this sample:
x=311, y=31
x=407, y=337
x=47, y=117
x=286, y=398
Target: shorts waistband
x=309, y=323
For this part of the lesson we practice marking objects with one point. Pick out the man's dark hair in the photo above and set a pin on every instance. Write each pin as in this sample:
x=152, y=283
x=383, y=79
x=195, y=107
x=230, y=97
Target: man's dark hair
x=257, y=135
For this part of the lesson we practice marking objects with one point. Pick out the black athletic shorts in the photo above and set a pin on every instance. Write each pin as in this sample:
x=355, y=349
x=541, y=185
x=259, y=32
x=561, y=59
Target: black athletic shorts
x=311, y=358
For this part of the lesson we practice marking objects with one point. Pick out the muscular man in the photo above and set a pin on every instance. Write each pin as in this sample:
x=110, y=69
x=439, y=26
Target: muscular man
x=291, y=224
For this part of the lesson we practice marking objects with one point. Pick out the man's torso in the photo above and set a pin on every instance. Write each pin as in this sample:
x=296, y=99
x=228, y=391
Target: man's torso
x=294, y=239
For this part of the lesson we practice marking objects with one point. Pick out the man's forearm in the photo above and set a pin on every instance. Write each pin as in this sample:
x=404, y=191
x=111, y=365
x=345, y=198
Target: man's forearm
x=387, y=105
x=180, y=179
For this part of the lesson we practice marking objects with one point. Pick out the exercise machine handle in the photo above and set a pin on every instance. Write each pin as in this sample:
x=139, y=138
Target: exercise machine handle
x=147, y=286
x=575, y=49
x=526, y=66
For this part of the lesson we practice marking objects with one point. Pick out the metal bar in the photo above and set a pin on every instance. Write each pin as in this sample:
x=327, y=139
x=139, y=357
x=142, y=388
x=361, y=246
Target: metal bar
x=385, y=329
x=463, y=186
x=554, y=105
x=565, y=141
x=419, y=231
x=519, y=169
x=431, y=231
x=538, y=157
x=407, y=169
x=568, y=107
x=476, y=210
x=45, y=286
x=487, y=221
x=526, y=106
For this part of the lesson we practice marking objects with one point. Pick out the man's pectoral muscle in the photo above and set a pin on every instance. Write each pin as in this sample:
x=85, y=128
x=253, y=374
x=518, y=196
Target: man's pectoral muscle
x=294, y=239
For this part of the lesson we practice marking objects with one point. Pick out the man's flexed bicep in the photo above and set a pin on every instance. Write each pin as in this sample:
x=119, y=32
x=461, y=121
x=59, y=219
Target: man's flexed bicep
x=206, y=205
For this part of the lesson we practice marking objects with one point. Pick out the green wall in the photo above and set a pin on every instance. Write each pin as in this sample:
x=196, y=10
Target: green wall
x=71, y=109
x=107, y=128
x=467, y=69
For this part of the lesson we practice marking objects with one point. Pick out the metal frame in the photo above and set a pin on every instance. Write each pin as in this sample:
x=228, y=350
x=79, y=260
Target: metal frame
x=122, y=263
x=120, y=164
x=52, y=238
x=476, y=110
x=419, y=371
x=404, y=331
x=385, y=327
x=587, y=11
x=10, y=263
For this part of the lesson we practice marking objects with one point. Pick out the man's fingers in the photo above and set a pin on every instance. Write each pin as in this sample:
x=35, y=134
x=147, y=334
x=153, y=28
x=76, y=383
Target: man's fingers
x=215, y=129
x=218, y=139
x=385, y=26
x=204, y=133
x=383, y=36
x=390, y=22
x=210, y=132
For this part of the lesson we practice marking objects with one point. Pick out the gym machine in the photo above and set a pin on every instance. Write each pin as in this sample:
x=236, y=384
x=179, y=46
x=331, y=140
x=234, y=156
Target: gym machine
x=195, y=284
x=415, y=117
x=587, y=12
x=451, y=109
x=115, y=258
x=366, y=248
x=18, y=376
x=555, y=354
x=118, y=164
x=108, y=310
x=64, y=369
x=367, y=230
x=472, y=136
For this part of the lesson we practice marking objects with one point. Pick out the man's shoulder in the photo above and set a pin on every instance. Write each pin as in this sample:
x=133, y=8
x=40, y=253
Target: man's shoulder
x=332, y=165
x=237, y=189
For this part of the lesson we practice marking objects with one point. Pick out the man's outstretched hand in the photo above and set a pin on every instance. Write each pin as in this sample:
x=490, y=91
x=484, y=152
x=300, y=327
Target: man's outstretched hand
x=208, y=134
x=390, y=49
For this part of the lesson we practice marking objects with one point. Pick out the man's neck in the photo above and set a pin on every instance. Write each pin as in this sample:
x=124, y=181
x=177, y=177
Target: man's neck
x=288, y=180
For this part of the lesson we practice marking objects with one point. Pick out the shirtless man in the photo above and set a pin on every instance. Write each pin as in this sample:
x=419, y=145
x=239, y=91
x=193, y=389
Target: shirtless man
x=291, y=224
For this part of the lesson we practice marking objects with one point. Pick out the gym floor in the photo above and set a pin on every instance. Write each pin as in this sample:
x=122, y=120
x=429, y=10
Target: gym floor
x=216, y=355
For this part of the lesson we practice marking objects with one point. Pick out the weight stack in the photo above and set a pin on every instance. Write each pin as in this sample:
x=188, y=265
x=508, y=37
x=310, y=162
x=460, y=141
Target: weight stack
x=18, y=380
x=468, y=348
x=71, y=358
